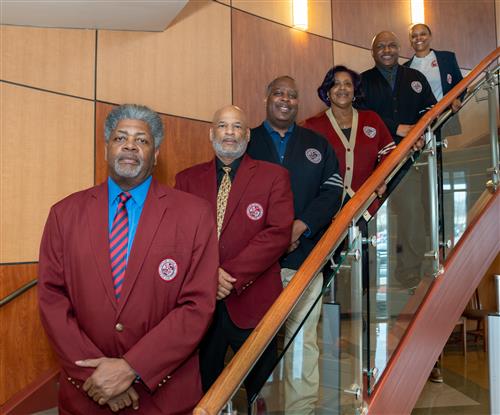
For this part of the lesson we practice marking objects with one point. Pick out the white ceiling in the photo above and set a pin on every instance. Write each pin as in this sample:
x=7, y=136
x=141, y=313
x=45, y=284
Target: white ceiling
x=91, y=14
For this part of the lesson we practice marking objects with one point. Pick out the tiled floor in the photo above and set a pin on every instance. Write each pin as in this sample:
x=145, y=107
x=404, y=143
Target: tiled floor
x=465, y=388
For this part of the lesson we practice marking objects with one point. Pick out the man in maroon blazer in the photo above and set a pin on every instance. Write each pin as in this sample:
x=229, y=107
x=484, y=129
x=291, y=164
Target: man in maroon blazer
x=125, y=315
x=255, y=230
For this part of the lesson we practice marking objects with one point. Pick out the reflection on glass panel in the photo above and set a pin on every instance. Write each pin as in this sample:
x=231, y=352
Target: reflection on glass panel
x=460, y=217
x=464, y=165
x=294, y=389
x=400, y=272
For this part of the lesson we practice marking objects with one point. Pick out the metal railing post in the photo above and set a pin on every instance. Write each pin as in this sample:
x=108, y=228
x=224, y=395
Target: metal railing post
x=430, y=139
x=491, y=87
x=355, y=252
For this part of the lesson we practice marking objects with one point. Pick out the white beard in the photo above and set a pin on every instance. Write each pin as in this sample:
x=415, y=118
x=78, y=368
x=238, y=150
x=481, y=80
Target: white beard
x=228, y=154
x=127, y=170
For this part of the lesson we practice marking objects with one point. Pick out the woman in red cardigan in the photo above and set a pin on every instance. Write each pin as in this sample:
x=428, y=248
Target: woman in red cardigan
x=359, y=138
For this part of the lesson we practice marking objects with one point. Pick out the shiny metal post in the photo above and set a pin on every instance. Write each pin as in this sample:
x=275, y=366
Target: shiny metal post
x=355, y=247
x=492, y=88
x=430, y=140
x=228, y=410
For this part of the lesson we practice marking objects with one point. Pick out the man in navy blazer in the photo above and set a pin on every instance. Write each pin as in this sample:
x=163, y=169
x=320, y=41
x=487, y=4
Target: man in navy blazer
x=255, y=231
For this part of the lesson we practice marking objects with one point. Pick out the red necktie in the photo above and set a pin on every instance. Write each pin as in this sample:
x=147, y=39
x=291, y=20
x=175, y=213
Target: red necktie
x=118, y=243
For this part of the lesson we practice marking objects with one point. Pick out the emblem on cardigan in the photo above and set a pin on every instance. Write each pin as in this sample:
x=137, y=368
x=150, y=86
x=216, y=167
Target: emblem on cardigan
x=313, y=155
x=370, y=131
x=434, y=63
x=416, y=86
x=167, y=269
x=255, y=211
x=449, y=78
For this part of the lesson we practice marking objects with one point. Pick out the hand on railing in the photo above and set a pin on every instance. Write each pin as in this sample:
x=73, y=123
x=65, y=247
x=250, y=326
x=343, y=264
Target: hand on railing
x=404, y=129
x=381, y=189
x=419, y=144
x=455, y=105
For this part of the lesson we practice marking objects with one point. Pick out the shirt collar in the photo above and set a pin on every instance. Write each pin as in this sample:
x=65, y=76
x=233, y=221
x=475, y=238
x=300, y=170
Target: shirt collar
x=385, y=72
x=138, y=193
x=271, y=130
x=234, y=165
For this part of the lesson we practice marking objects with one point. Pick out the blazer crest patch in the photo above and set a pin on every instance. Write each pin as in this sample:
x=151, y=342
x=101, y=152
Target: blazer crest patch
x=416, y=86
x=313, y=155
x=167, y=269
x=255, y=211
x=449, y=79
x=370, y=132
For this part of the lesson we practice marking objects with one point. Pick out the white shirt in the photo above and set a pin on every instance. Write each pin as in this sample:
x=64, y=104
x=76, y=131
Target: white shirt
x=428, y=65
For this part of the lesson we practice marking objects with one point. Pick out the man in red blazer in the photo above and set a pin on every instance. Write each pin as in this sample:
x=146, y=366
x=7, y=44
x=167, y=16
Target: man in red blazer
x=255, y=230
x=126, y=320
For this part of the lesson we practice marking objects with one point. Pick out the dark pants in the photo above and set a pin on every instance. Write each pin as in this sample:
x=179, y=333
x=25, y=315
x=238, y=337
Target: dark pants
x=222, y=334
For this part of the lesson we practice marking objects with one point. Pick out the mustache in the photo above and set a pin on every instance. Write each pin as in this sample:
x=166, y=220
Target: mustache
x=129, y=157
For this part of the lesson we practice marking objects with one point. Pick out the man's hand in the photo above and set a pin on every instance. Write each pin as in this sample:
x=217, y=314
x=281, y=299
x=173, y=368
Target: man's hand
x=404, y=129
x=225, y=284
x=124, y=400
x=111, y=378
x=419, y=144
x=293, y=246
x=298, y=228
x=455, y=105
x=381, y=189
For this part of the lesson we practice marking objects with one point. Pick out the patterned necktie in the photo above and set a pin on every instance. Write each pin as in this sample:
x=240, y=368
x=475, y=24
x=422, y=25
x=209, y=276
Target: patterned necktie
x=118, y=243
x=222, y=196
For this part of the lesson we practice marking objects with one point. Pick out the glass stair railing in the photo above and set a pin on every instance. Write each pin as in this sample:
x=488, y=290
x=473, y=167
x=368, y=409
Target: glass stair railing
x=380, y=273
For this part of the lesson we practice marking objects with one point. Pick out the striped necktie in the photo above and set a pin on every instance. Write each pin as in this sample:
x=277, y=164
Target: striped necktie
x=222, y=196
x=118, y=243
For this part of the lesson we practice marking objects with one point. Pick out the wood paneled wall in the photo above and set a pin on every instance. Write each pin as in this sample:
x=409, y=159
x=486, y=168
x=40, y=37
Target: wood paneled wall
x=357, y=22
x=185, y=70
x=57, y=85
x=58, y=60
x=257, y=61
x=319, y=11
x=25, y=352
x=46, y=152
x=469, y=30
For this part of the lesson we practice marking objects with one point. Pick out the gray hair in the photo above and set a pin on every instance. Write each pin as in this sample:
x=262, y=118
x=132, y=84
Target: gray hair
x=135, y=112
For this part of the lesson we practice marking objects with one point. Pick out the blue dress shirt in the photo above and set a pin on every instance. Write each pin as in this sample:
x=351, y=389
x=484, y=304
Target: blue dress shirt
x=279, y=142
x=134, y=206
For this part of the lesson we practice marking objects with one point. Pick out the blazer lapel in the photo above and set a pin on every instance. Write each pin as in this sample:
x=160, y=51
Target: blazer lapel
x=151, y=216
x=269, y=144
x=97, y=214
x=208, y=184
x=238, y=187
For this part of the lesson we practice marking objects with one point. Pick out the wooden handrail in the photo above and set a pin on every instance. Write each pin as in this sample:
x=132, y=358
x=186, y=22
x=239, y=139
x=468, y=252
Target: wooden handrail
x=235, y=372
